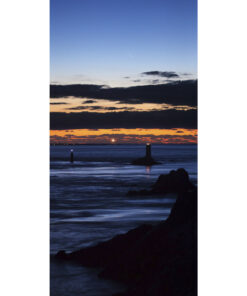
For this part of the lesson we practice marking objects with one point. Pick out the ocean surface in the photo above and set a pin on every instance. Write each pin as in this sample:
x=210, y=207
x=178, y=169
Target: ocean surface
x=88, y=203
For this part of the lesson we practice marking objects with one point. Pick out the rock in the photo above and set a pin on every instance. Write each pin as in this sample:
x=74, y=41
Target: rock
x=164, y=260
x=174, y=182
x=106, y=252
x=156, y=260
x=144, y=161
x=61, y=255
x=132, y=193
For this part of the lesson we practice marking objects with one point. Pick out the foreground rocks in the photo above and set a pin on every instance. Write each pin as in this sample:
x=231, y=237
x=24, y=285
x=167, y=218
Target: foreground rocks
x=175, y=182
x=152, y=260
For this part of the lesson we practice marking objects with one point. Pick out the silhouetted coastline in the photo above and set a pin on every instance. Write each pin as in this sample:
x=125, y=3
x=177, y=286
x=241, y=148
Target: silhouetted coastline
x=153, y=260
x=175, y=182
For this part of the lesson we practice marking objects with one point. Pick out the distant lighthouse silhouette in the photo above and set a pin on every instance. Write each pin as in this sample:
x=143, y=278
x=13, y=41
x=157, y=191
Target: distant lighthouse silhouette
x=148, y=151
x=71, y=155
x=147, y=159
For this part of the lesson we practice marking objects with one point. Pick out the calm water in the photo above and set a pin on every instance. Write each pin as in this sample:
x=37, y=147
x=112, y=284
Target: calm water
x=88, y=202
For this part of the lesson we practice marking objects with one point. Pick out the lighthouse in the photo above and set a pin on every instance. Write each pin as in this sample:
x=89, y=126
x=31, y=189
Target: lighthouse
x=71, y=155
x=147, y=159
x=148, y=151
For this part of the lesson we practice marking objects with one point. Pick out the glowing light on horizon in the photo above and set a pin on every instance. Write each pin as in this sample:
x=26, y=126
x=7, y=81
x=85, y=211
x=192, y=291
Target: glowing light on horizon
x=124, y=136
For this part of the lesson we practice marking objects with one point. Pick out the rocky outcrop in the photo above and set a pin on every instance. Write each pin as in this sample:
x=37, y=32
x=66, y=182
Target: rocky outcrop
x=144, y=161
x=175, y=182
x=152, y=260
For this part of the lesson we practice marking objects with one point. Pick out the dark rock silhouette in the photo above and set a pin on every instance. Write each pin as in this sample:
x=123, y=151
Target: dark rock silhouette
x=174, y=182
x=155, y=260
x=147, y=160
x=144, y=161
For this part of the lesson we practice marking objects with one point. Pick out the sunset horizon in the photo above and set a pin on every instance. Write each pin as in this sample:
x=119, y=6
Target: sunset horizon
x=123, y=65
x=123, y=146
x=162, y=113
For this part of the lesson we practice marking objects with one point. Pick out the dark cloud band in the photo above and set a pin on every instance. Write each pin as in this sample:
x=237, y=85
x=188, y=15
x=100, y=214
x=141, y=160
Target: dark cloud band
x=58, y=103
x=175, y=93
x=167, y=74
x=101, y=108
x=153, y=119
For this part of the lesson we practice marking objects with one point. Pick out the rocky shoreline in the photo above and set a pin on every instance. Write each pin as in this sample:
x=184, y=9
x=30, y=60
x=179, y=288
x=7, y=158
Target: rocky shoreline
x=152, y=260
x=175, y=182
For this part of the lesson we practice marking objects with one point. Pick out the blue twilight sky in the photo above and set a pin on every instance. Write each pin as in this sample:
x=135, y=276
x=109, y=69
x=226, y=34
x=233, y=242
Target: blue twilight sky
x=103, y=41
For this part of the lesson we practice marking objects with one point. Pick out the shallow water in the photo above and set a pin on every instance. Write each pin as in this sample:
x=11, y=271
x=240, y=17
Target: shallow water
x=88, y=202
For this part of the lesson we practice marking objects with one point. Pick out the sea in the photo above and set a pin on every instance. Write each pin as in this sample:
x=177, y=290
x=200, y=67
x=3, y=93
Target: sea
x=89, y=203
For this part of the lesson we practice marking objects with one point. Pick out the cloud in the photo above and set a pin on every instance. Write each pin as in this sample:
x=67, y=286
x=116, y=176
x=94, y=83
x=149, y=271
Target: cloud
x=154, y=119
x=79, y=108
x=102, y=108
x=175, y=93
x=89, y=102
x=167, y=74
x=123, y=138
x=58, y=103
x=154, y=81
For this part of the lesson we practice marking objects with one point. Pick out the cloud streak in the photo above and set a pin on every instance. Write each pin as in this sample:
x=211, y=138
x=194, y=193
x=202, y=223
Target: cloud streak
x=154, y=119
x=89, y=102
x=175, y=93
x=124, y=139
x=58, y=103
x=101, y=108
x=167, y=74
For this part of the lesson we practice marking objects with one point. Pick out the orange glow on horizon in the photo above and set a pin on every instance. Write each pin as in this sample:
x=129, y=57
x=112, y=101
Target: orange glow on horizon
x=162, y=136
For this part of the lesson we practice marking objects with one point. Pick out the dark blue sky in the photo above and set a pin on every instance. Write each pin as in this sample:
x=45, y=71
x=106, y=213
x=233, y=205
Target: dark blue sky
x=102, y=41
